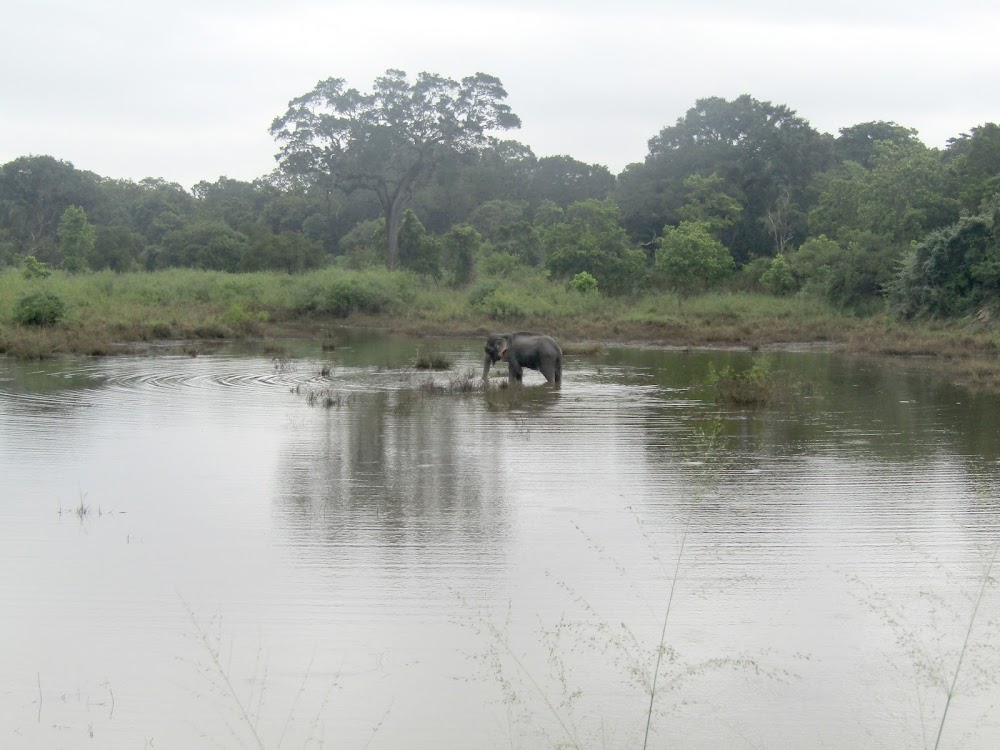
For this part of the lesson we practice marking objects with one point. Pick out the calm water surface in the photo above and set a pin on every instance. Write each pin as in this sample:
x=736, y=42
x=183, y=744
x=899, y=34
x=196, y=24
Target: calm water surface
x=317, y=550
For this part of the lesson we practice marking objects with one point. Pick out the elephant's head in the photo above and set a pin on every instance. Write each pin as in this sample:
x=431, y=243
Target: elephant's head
x=496, y=349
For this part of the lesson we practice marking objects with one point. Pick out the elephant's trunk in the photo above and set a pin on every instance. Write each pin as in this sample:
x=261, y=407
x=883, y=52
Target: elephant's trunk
x=487, y=361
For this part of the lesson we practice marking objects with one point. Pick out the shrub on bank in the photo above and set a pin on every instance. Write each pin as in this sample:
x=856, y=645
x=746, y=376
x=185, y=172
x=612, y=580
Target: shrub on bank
x=39, y=309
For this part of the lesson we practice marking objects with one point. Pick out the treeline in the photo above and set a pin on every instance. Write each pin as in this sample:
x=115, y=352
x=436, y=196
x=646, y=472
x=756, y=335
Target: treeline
x=738, y=194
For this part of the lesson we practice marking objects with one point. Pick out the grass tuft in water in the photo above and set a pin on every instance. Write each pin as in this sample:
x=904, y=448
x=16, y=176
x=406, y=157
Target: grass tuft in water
x=432, y=361
x=758, y=385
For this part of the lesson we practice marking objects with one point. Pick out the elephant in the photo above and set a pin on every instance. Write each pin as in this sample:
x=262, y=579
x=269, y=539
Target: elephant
x=535, y=351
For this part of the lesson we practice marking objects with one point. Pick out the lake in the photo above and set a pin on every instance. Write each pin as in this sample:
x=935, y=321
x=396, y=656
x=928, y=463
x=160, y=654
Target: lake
x=309, y=548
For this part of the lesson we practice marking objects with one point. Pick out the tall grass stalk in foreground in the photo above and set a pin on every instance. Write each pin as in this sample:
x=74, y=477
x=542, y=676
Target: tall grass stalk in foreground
x=965, y=644
x=663, y=632
x=650, y=667
x=250, y=714
x=220, y=671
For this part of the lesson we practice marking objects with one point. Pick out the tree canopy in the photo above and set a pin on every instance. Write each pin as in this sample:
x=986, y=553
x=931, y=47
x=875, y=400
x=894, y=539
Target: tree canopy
x=386, y=140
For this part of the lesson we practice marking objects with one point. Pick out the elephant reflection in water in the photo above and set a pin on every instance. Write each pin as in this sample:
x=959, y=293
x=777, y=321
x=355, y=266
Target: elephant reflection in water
x=523, y=349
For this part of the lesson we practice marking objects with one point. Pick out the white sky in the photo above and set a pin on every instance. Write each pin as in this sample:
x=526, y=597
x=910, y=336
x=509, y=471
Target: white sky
x=186, y=89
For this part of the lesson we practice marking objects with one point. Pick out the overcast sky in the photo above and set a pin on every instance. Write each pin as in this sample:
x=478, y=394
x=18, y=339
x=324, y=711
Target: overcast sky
x=186, y=89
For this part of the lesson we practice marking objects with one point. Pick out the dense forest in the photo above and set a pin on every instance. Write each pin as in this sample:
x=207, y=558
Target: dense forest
x=739, y=194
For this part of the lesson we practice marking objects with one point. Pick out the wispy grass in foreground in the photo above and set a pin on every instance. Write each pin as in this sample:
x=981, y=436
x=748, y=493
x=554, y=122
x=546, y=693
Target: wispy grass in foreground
x=550, y=701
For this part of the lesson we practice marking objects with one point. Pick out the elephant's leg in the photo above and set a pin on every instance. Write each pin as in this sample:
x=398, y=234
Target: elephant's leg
x=548, y=369
x=558, y=370
x=515, y=370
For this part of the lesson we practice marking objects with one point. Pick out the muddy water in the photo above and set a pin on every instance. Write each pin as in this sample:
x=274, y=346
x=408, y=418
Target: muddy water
x=306, y=549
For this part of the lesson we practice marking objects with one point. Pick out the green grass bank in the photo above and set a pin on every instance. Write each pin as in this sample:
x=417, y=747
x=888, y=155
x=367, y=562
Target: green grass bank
x=107, y=313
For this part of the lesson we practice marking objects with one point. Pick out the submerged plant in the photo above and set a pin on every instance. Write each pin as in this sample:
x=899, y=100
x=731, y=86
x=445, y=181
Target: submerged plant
x=758, y=385
x=432, y=361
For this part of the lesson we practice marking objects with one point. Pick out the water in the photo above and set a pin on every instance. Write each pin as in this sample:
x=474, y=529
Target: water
x=196, y=553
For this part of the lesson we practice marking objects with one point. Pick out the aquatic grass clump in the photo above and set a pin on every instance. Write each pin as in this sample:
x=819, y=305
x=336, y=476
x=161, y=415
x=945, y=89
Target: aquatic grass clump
x=459, y=383
x=432, y=361
x=758, y=385
x=326, y=398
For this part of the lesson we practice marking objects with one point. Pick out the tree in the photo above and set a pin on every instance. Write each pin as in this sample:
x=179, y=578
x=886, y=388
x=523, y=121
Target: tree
x=857, y=143
x=591, y=239
x=759, y=150
x=210, y=245
x=35, y=191
x=388, y=140
x=690, y=259
x=778, y=220
x=418, y=251
x=905, y=194
x=953, y=271
x=974, y=157
x=708, y=202
x=77, y=239
x=460, y=246
x=565, y=180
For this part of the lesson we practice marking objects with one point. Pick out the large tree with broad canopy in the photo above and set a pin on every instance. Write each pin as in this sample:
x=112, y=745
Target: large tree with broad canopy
x=387, y=140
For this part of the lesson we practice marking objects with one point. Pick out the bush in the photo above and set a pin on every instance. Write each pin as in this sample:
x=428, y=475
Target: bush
x=778, y=279
x=32, y=268
x=503, y=305
x=756, y=386
x=583, y=282
x=340, y=293
x=39, y=309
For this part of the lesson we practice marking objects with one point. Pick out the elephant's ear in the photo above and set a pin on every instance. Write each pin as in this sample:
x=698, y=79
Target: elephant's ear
x=502, y=348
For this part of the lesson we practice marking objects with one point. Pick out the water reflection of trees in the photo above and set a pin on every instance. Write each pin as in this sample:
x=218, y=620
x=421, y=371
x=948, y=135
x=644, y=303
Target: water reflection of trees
x=877, y=409
x=392, y=469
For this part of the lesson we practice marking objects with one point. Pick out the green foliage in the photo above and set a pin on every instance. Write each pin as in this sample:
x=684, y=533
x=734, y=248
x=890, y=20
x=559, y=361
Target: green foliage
x=291, y=252
x=77, y=239
x=500, y=264
x=857, y=143
x=118, y=248
x=418, y=251
x=460, y=247
x=953, y=272
x=778, y=279
x=708, y=203
x=244, y=322
x=43, y=308
x=758, y=149
x=563, y=180
x=755, y=386
x=492, y=217
x=386, y=141
x=363, y=246
x=504, y=304
x=850, y=273
x=208, y=245
x=905, y=194
x=591, y=239
x=974, y=159
x=690, y=259
x=32, y=268
x=340, y=293
x=583, y=282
